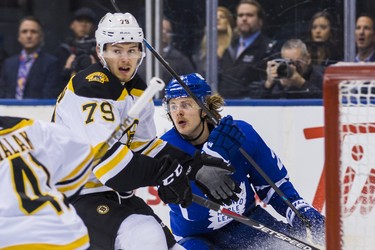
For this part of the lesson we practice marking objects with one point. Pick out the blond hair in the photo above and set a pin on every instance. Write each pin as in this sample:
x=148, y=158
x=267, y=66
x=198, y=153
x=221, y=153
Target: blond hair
x=214, y=104
x=223, y=38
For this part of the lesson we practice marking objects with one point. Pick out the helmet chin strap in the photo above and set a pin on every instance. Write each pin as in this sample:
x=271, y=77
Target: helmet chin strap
x=183, y=136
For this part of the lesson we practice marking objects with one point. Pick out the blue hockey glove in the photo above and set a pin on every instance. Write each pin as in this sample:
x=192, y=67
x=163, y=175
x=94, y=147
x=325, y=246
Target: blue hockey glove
x=226, y=138
x=315, y=220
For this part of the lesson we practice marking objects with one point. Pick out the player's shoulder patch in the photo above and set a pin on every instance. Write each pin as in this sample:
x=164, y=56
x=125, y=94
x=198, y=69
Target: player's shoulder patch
x=94, y=82
x=97, y=76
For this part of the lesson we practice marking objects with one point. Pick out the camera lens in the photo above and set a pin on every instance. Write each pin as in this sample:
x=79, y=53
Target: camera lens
x=283, y=70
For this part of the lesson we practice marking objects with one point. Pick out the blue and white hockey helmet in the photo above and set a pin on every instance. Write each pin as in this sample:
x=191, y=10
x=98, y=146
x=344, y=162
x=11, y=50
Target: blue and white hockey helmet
x=195, y=82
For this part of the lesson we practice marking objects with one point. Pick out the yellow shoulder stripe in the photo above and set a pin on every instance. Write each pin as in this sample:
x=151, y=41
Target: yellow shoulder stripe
x=21, y=124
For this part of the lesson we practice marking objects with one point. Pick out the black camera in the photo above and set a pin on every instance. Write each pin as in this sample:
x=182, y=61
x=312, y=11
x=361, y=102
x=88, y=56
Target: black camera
x=83, y=49
x=283, y=68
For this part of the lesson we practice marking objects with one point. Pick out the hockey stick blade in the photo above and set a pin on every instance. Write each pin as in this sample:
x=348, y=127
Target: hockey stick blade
x=156, y=84
x=252, y=223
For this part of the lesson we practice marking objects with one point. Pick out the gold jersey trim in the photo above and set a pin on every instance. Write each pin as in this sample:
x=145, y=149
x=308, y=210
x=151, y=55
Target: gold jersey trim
x=41, y=246
x=23, y=123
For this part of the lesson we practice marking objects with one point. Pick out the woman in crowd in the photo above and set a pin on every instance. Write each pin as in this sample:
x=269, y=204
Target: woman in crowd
x=322, y=43
x=225, y=26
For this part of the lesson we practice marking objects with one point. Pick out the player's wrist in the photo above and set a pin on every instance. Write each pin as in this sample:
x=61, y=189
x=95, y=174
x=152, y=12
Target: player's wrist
x=299, y=205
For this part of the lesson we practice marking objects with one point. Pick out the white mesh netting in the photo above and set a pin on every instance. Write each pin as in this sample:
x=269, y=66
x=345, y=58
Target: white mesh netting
x=357, y=167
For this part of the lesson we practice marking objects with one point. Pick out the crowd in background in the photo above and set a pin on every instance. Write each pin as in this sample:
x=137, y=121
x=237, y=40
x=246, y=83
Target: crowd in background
x=252, y=63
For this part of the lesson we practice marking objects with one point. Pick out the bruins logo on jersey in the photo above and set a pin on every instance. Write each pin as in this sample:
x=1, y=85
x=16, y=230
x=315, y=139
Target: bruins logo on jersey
x=97, y=77
x=102, y=209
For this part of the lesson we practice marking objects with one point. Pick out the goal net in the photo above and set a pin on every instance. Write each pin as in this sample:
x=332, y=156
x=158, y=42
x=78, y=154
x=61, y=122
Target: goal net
x=349, y=116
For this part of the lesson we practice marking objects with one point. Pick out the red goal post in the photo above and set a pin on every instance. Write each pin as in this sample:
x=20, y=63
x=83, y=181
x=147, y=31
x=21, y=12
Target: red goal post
x=349, y=116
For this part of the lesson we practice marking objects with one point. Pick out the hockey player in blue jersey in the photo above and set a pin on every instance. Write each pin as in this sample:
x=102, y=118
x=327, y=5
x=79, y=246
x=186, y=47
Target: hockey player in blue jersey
x=197, y=227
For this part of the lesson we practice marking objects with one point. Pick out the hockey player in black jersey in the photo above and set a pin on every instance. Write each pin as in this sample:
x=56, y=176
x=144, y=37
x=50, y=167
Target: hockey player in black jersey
x=94, y=102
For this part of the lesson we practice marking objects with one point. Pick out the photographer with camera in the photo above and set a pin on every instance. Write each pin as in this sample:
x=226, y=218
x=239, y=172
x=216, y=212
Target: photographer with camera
x=293, y=76
x=78, y=51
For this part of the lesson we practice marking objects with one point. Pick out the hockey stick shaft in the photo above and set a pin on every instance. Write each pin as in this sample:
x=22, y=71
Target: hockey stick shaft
x=213, y=118
x=173, y=73
x=252, y=223
x=216, y=121
x=156, y=84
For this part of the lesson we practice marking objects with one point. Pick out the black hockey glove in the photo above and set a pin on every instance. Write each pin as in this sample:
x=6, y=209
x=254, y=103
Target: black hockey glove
x=213, y=178
x=173, y=183
x=226, y=138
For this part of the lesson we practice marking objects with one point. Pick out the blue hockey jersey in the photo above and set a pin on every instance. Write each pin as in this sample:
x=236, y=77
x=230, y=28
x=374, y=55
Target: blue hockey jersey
x=197, y=220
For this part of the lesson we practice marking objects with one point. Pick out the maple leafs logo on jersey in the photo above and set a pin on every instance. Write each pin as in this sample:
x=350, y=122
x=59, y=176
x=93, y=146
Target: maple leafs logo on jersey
x=97, y=77
x=218, y=220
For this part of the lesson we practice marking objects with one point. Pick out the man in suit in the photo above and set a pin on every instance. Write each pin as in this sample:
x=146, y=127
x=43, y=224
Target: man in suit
x=243, y=64
x=365, y=38
x=31, y=74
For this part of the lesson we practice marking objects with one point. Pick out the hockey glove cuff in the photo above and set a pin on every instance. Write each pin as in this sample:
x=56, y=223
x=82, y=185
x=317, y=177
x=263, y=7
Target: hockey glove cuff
x=173, y=183
x=315, y=220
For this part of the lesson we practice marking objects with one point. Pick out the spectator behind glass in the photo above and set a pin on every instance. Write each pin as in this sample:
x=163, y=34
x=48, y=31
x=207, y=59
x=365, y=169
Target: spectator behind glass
x=174, y=57
x=32, y=73
x=178, y=61
x=365, y=38
x=322, y=44
x=293, y=76
x=243, y=67
x=78, y=52
x=225, y=25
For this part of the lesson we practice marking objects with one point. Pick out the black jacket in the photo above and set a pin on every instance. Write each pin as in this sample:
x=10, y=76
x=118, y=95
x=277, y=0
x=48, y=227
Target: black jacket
x=242, y=77
x=312, y=88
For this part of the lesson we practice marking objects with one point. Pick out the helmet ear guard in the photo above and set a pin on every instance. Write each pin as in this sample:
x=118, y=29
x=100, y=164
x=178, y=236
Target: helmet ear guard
x=195, y=82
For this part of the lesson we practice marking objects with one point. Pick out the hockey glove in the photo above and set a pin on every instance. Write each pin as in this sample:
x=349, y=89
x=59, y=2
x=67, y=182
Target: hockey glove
x=213, y=178
x=173, y=183
x=315, y=220
x=226, y=138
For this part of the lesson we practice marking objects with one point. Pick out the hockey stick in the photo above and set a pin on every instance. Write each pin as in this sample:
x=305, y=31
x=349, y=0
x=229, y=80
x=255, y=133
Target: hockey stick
x=156, y=85
x=252, y=223
x=216, y=121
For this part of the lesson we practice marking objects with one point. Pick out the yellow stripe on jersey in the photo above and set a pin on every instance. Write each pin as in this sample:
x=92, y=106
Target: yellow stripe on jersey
x=80, y=167
x=70, y=85
x=137, y=144
x=110, y=163
x=157, y=143
x=92, y=184
x=81, y=242
x=136, y=92
x=123, y=95
x=76, y=185
x=19, y=125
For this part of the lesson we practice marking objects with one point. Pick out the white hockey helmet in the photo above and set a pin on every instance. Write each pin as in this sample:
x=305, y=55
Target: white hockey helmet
x=118, y=28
